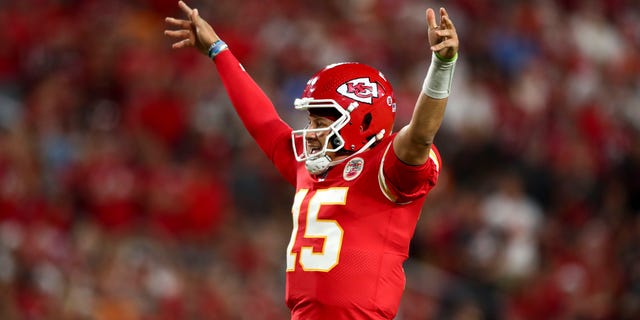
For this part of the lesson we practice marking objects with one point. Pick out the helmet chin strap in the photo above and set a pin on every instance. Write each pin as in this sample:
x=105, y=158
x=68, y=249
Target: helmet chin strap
x=319, y=165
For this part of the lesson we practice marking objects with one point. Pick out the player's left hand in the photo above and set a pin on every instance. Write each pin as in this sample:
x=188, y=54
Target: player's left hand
x=443, y=38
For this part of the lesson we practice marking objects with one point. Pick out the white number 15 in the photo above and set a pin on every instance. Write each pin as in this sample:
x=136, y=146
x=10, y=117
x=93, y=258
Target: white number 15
x=329, y=230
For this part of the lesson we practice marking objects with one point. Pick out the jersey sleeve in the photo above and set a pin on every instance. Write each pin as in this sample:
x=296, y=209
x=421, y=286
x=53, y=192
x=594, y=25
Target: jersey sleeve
x=403, y=183
x=258, y=114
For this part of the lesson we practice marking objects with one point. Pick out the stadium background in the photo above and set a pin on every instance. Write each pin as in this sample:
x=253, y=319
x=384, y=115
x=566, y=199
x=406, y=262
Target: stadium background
x=129, y=189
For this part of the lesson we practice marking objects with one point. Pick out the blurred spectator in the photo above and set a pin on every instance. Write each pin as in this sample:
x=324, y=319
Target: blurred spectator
x=510, y=236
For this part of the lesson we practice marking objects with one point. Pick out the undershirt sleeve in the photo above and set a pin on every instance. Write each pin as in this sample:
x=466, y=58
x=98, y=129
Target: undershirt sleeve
x=403, y=183
x=258, y=114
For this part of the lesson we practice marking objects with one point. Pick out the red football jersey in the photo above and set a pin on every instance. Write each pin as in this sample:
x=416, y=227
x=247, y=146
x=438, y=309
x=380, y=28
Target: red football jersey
x=351, y=235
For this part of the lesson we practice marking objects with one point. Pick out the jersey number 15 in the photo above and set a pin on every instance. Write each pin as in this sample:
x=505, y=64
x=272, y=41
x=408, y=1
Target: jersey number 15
x=315, y=228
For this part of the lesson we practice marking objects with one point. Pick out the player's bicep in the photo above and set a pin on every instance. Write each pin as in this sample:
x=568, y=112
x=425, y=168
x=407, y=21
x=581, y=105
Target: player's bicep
x=409, y=150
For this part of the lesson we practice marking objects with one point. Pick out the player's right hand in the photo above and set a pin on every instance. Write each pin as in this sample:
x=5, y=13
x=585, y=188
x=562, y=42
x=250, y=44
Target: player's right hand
x=194, y=32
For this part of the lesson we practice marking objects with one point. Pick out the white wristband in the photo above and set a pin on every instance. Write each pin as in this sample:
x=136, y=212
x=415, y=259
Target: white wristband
x=437, y=84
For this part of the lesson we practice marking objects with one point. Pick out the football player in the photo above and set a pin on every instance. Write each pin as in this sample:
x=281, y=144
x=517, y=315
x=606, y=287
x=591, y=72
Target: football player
x=359, y=186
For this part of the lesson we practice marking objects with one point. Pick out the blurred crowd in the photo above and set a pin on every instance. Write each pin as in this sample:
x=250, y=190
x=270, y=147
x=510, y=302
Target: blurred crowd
x=130, y=190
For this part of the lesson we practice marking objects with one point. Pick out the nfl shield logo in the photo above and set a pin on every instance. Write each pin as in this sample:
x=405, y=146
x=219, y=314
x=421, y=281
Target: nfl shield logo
x=353, y=169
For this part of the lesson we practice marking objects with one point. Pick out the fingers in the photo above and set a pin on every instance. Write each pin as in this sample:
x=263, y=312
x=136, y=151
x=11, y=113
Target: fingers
x=178, y=33
x=445, y=22
x=444, y=44
x=431, y=19
x=448, y=23
x=194, y=15
x=182, y=44
x=195, y=18
x=184, y=24
x=445, y=33
x=443, y=12
x=185, y=8
x=184, y=33
x=446, y=28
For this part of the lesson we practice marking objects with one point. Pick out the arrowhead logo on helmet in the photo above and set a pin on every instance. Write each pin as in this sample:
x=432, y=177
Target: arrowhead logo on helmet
x=360, y=89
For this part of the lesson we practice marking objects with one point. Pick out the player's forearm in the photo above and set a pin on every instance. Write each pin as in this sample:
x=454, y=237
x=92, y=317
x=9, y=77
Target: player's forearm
x=413, y=142
x=426, y=120
x=431, y=104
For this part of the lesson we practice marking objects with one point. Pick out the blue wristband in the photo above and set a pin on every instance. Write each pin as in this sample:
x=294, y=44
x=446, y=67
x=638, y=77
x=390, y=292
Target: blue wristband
x=216, y=48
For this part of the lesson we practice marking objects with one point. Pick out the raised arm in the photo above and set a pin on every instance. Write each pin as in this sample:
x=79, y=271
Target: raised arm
x=254, y=108
x=413, y=142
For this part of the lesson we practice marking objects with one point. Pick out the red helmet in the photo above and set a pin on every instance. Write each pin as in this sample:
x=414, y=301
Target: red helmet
x=358, y=96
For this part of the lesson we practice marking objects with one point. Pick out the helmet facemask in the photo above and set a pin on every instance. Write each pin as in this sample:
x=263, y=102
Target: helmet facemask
x=318, y=161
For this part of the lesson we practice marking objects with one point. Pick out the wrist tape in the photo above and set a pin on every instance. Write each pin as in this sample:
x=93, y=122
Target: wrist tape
x=437, y=83
x=216, y=48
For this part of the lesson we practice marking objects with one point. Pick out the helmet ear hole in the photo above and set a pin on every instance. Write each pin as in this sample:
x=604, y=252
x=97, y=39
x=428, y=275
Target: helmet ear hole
x=335, y=141
x=366, y=122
